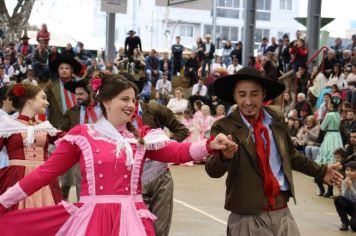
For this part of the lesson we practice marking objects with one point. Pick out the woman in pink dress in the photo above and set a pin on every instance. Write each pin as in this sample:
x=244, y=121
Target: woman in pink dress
x=26, y=141
x=204, y=123
x=220, y=112
x=111, y=154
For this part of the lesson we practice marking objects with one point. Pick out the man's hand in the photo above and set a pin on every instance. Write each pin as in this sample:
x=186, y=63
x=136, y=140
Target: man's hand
x=332, y=177
x=225, y=144
x=348, y=182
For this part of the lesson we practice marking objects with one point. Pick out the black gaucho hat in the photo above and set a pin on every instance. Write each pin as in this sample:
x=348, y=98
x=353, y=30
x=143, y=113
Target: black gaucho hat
x=224, y=86
x=76, y=66
x=72, y=85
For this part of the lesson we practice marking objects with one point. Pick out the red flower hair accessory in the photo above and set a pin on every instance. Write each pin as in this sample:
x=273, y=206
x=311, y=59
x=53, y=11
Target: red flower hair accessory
x=96, y=83
x=18, y=90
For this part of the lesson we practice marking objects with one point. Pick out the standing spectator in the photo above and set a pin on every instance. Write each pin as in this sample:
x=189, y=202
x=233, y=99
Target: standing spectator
x=9, y=69
x=274, y=45
x=209, y=50
x=263, y=46
x=191, y=69
x=83, y=54
x=237, y=52
x=285, y=57
x=226, y=52
x=332, y=139
x=319, y=84
x=166, y=65
x=287, y=103
x=352, y=45
x=132, y=42
x=321, y=112
x=164, y=86
x=20, y=68
x=177, y=55
x=299, y=54
x=152, y=67
x=110, y=68
x=338, y=48
x=40, y=60
x=234, y=67
x=199, y=49
x=53, y=55
x=178, y=104
x=25, y=48
x=68, y=51
x=270, y=67
x=301, y=79
x=4, y=79
x=43, y=35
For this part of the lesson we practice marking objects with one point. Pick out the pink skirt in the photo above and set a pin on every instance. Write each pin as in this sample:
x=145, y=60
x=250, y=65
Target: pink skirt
x=95, y=215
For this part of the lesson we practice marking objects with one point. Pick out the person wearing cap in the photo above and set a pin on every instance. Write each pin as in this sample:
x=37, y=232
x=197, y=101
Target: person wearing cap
x=345, y=203
x=177, y=55
x=132, y=42
x=209, y=50
x=157, y=182
x=259, y=180
x=25, y=48
x=59, y=98
x=86, y=111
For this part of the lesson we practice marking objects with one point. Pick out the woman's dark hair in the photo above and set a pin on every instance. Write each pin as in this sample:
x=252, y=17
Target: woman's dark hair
x=3, y=94
x=198, y=103
x=340, y=71
x=188, y=112
x=335, y=101
x=29, y=92
x=113, y=85
x=340, y=152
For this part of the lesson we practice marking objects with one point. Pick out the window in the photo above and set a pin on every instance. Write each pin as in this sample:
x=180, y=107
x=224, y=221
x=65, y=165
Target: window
x=263, y=8
x=260, y=34
x=186, y=31
x=223, y=32
x=285, y=5
x=227, y=8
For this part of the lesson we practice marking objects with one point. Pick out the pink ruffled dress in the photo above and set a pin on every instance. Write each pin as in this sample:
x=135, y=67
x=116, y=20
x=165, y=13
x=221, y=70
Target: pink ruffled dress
x=110, y=201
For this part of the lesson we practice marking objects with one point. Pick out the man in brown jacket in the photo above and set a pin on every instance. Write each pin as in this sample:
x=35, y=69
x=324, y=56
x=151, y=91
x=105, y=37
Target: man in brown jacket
x=259, y=175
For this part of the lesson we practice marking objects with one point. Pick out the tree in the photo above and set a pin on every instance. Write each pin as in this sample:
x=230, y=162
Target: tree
x=14, y=24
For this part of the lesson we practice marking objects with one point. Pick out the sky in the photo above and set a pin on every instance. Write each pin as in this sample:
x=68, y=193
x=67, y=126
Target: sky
x=62, y=16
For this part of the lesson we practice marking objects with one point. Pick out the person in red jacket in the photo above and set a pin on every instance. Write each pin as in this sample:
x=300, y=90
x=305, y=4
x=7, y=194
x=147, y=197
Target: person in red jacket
x=299, y=54
x=43, y=34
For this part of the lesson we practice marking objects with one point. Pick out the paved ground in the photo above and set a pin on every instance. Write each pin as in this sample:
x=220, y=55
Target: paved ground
x=198, y=207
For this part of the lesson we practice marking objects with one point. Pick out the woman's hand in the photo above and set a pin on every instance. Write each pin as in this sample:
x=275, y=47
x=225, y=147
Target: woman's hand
x=225, y=144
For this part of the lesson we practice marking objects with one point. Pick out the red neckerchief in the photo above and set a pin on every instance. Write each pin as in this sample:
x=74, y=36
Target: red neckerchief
x=24, y=50
x=69, y=102
x=31, y=121
x=90, y=111
x=271, y=185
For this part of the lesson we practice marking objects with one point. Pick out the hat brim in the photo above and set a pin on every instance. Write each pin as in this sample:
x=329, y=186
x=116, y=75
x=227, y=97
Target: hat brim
x=76, y=66
x=72, y=85
x=131, y=32
x=224, y=87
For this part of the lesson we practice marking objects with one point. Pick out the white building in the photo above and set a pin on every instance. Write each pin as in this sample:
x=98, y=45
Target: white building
x=159, y=25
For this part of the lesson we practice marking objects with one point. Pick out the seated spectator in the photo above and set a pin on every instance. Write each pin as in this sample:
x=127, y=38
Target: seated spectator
x=43, y=35
x=237, y=52
x=145, y=94
x=187, y=121
x=178, y=104
x=234, y=67
x=218, y=64
x=340, y=157
x=166, y=65
x=292, y=131
x=83, y=54
x=197, y=109
x=110, y=68
x=138, y=61
x=40, y=60
x=159, y=98
x=307, y=138
x=121, y=60
x=20, y=68
x=346, y=57
x=347, y=125
x=191, y=69
x=351, y=147
x=92, y=70
x=9, y=69
x=4, y=79
x=203, y=122
x=152, y=67
x=199, y=89
x=345, y=204
x=164, y=86
x=293, y=113
x=351, y=82
x=302, y=104
x=337, y=77
x=338, y=48
x=321, y=112
x=335, y=91
x=329, y=61
x=315, y=90
x=287, y=103
x=220, y=112
x=68, y=51
x=302, y=77
x=30, y=78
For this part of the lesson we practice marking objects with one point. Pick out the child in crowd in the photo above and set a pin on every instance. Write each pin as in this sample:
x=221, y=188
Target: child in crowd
x=220, y=112
x=345, y=204
x=188, y=122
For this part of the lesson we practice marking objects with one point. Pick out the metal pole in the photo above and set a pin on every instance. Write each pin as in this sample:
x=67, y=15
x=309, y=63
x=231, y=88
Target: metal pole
x=110, y=37
x=213, y=36
x=249, y=28
x=313, y=28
